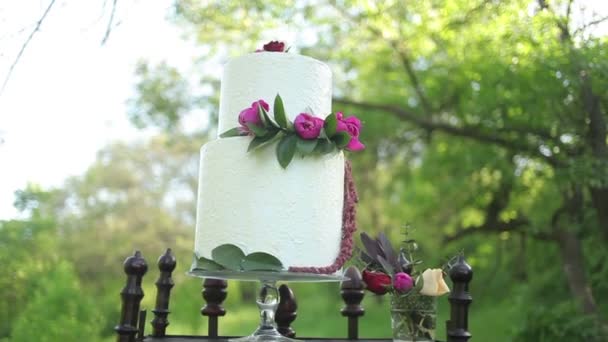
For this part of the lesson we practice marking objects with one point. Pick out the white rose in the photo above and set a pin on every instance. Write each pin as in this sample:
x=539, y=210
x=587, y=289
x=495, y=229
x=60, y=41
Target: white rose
x=433, y=283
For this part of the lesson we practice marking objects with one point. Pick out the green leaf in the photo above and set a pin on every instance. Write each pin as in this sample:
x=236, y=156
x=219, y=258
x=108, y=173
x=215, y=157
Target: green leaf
x=265, y=118
x=259, y=141
x=233, y=132
x=306, y=146
x=229, y=256
x=208, y=264
x=260, y=261
x=341, y=139
x=419, y=283
x=324, y=146
x=323, y=135
x=261, y=111
x=330, y=126
x=286, y=148
x=279, y=112
x=257, y=130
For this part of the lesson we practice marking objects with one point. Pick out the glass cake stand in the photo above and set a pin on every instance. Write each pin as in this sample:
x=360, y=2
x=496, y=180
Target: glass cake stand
x=268, y=298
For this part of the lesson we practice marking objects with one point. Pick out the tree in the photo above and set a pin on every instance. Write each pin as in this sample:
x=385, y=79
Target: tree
x=40, y=292
x=28, y=251
x=64, y=259
x=58, y=311
x=132, y=197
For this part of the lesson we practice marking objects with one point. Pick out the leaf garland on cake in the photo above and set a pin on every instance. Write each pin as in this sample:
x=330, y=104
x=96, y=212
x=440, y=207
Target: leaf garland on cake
x=233, y=132
x=341, y=139
x=260, y=261
x=286, y=148
x=330, y=125
x=231, y=257
x=306, y=147
x=259, y=141
x=207, y=264
x=279, y=113
x=324, y=146
x=307, y=135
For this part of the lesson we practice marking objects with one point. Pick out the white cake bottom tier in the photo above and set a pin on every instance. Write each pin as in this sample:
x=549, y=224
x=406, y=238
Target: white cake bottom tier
x=247, y=199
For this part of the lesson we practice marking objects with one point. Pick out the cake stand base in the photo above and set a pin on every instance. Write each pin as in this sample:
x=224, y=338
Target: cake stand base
x=268, y=297
x=268, y=301
x=260, y=335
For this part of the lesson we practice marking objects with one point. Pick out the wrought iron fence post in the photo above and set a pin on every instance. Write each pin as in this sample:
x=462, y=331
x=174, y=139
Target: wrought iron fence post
x=164, y=284
x=352, y=291
x=460, y=299
x=214, y=292
x=135, y=267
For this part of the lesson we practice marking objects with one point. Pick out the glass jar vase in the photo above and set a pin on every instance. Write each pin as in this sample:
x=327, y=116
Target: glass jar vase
x=413, y=317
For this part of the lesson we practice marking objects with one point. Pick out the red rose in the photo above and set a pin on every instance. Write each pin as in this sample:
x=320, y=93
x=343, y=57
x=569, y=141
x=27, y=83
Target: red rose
x=377, y=282
x=275, y=46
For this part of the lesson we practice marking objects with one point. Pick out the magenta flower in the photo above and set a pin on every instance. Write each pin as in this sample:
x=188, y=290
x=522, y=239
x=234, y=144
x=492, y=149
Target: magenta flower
x=352, y=125
x=251, y=115
x=402, y=282
x=307, y=126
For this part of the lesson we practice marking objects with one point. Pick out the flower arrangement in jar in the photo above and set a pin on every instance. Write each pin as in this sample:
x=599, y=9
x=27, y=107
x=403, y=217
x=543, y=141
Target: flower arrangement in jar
x=413, y=293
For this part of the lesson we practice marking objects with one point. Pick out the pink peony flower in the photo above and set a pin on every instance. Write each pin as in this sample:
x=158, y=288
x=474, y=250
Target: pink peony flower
x=352, y=125
x=251, y=115
x=274, y=46
x=402, y=282
x=377, y=282
x=307, y=126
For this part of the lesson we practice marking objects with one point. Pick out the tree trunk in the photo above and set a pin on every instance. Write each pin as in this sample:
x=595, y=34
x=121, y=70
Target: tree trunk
x=599, y=196
x=574, y=269
x=597, y=139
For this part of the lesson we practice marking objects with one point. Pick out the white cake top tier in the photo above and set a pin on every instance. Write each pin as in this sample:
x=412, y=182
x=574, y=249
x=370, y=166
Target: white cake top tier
x=304, y=84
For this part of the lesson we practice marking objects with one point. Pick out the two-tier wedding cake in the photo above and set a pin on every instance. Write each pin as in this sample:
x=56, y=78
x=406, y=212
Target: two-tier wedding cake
x=249, y=199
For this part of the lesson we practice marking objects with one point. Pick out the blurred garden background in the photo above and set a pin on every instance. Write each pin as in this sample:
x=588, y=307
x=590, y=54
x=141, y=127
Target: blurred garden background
x=486, y=130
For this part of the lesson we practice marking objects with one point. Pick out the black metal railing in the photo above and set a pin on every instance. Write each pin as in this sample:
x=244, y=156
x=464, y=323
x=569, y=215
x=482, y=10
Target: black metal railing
x=132, y=320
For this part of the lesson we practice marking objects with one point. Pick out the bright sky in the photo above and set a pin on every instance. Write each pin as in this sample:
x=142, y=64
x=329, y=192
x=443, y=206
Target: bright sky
x=66, y=98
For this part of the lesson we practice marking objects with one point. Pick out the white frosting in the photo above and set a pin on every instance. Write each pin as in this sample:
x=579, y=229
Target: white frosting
x=248, y=200
x=304, y=84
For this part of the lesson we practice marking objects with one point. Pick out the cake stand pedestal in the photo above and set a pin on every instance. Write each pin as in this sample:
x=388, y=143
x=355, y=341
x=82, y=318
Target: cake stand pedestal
x=268, y=298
